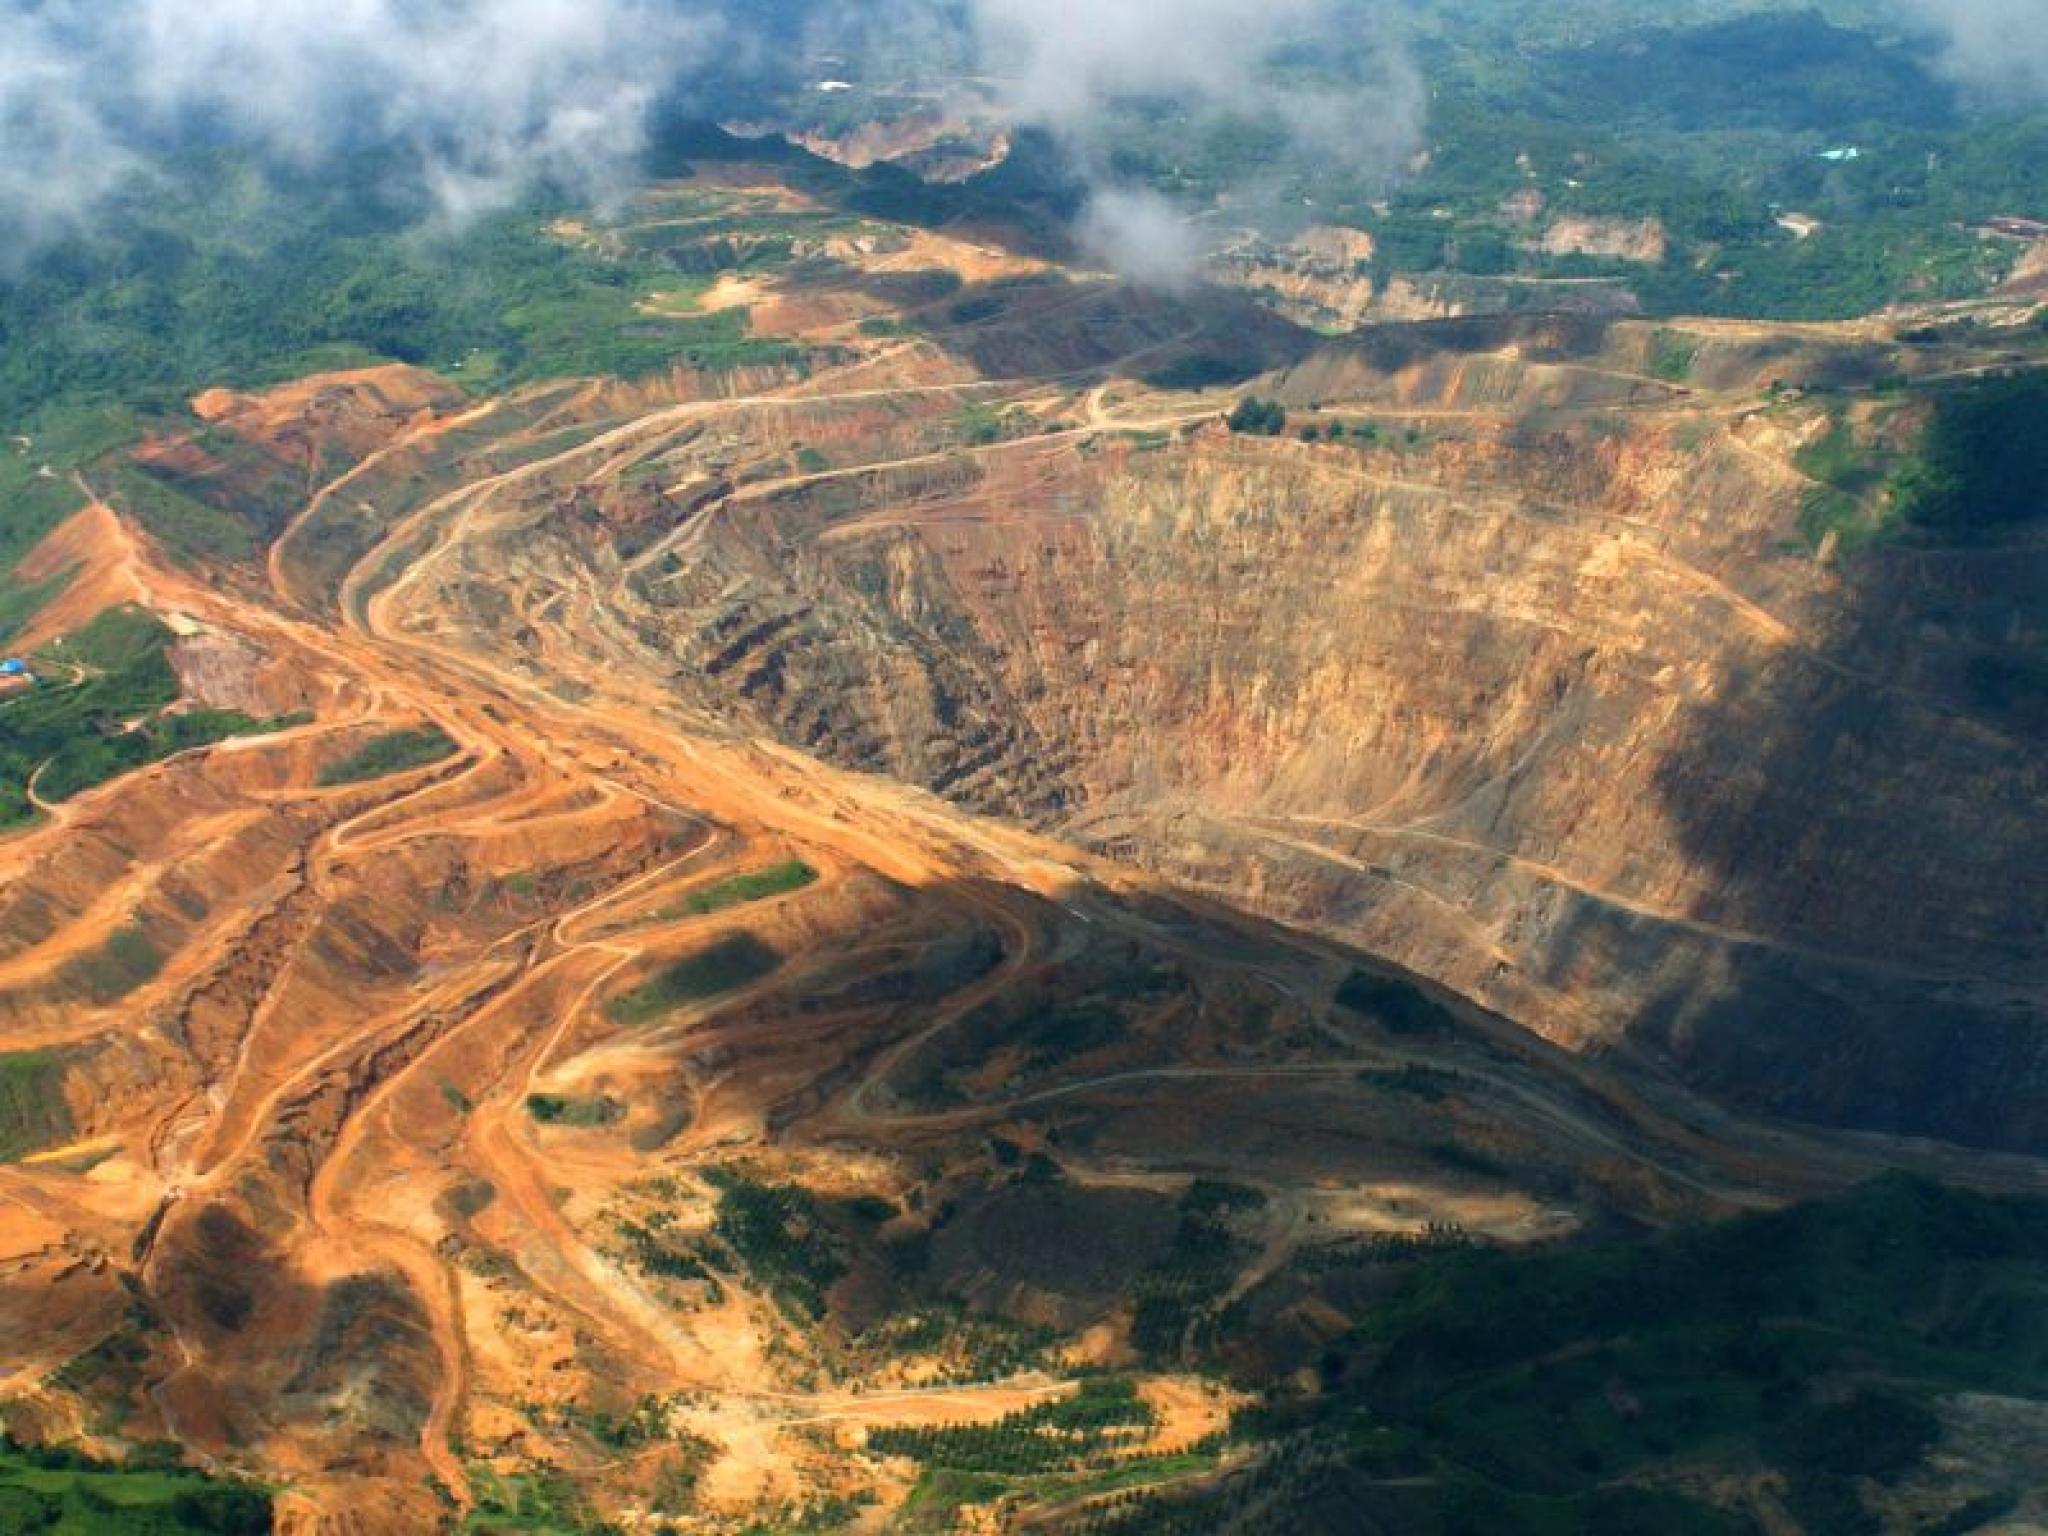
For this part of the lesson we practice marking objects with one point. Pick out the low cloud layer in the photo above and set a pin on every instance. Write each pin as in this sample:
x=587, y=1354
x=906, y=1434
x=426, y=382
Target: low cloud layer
x=482, y=99
x=58, y=156
x=485, y=96
x=1068, y=63
x=1998, y=48
x=1136, y=232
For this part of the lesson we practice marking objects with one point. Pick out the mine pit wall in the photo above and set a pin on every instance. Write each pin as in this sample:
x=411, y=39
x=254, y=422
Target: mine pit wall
x=1556, y=714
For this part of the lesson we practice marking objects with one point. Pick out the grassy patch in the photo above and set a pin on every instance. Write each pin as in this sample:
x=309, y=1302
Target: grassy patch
x=396, y=752
x=126, y=961
x=1824, y=511
x=37, y=493
x=20, y=601
x=935, y=1503
x=71, y=736
x=33, y=1114
x=679, y=300
x=595, y=331
x=59, y=1491
x=1858, y=482
x=1672, y=355
x=583, y=1114
x=186, y=526
x=758, y=885
x=1984, y=463
x=723, y=967
x=1836, y=458
x=980, y=425
x=542, y=1502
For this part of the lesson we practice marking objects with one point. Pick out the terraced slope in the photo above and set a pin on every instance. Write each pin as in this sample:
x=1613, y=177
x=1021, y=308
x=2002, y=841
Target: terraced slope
x=447, y=1107
x=1546, y=677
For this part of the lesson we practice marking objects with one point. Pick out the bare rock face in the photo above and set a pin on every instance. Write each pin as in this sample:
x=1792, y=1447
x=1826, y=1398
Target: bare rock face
x=1537, y=691
x=1323, y=277
x=1643, y=240
x=406, y=1126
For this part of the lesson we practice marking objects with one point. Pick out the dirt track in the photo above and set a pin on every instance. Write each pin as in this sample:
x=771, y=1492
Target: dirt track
x=525, y=762
x=285, y=1067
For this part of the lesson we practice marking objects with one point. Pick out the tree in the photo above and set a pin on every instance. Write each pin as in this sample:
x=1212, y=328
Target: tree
x=1259, y=418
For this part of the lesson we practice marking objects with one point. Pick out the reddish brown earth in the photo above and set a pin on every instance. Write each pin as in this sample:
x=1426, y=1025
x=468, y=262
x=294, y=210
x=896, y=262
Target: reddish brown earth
x=1540, y=691
x=1536, y=704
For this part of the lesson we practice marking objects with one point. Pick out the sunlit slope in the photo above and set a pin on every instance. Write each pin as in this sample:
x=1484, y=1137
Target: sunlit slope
x=555, y=1059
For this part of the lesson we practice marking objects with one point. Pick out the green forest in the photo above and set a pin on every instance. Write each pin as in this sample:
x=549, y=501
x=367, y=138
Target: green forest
x=1713, y=120
x=230, y=271
x=101, y=708
x=151, y=1495
x=1491, y=1390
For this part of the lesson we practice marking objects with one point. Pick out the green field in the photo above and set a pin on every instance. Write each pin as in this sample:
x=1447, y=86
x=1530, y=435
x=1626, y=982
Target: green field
x=33, y=1114
x=101, y=710
x=392, y=753
x=580, y=1113
x=67, y=1495
x=729, y=964
x=757, y=885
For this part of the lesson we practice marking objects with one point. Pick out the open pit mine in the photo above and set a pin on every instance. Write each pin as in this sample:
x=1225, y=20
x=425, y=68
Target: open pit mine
x=788, y=929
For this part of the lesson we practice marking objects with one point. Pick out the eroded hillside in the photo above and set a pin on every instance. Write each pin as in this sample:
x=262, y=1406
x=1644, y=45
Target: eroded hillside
x=499, y=1028
x=1535, y=670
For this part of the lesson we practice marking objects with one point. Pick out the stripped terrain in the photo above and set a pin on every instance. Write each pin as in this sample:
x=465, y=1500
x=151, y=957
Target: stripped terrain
x=839, y=837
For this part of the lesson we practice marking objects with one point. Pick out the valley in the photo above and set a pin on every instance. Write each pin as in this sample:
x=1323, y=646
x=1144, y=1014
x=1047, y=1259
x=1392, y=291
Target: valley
x=743, y=962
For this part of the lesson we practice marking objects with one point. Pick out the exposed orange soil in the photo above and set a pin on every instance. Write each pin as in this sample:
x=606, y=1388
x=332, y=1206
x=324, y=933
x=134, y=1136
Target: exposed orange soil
x=100, y=556
x=528, y=994
x=364, y=401
x=928, y=250
x=319, y=1108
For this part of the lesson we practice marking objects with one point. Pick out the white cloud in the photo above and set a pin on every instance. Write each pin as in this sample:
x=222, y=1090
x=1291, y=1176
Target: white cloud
x=488, y=96
x=1068, y=63
x=58, y=157
x=1997, y=47
x=1141, y=235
